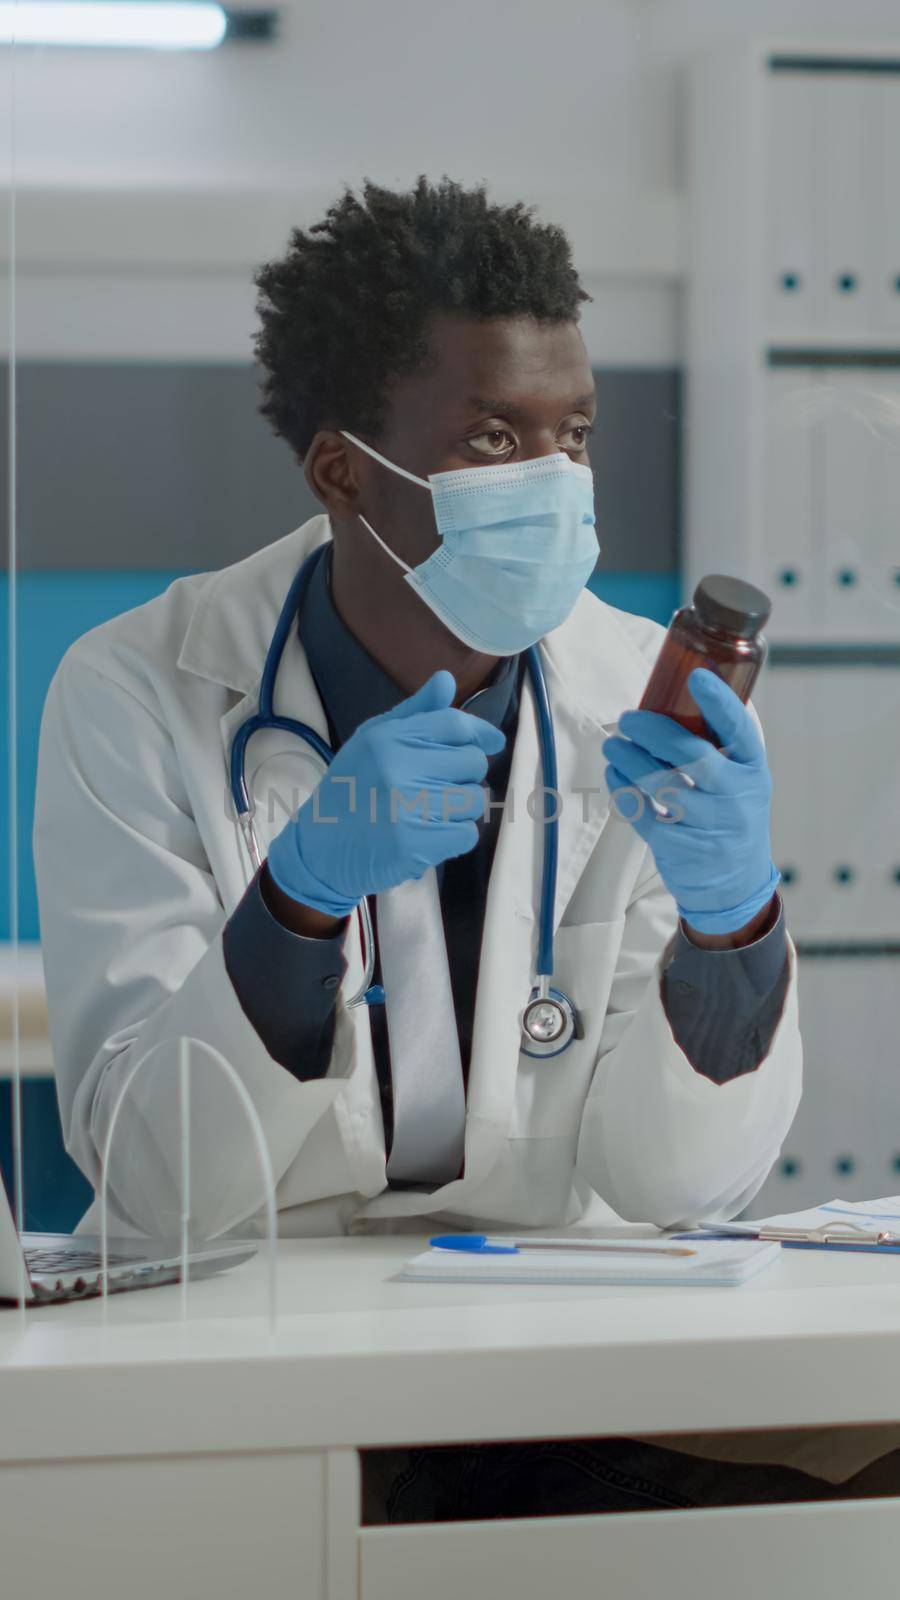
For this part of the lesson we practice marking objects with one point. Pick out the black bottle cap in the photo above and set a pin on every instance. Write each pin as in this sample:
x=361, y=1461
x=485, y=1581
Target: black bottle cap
x=732, y=605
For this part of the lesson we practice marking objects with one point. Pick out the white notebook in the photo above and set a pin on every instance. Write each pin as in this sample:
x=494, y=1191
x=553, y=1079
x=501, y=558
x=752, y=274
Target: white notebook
x=713, y=1263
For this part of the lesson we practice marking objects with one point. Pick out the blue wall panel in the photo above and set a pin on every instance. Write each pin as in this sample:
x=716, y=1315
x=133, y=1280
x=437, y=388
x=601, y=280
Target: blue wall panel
x=648, y=594
x=55, y=608
x=55, y=1193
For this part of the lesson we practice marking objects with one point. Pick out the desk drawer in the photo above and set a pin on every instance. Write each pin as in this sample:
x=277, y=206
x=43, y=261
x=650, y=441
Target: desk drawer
x=804, y=1552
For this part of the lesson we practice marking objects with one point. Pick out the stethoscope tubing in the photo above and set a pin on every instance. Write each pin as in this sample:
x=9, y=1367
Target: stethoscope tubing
x=550, y=776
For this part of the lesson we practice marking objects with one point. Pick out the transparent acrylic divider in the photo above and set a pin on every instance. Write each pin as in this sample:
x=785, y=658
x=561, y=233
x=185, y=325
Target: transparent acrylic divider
x=14, y=1284
x=186, y=1191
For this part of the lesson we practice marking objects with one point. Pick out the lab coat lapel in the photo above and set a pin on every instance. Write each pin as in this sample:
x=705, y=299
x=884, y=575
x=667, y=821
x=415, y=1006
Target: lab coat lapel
x=231, y=626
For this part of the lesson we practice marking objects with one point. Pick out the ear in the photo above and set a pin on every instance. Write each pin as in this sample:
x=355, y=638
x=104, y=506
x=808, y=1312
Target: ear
x=330, y=471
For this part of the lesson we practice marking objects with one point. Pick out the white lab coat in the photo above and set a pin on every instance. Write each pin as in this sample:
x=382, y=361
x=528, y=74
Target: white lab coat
x=140, y=862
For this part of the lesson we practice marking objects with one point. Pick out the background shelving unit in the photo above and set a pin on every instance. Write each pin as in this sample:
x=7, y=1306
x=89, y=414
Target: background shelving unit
x=793, y=469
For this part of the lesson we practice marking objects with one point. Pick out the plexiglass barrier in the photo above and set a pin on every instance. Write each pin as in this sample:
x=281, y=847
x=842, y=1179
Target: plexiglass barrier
x=186, y=1192
x=13, y=1276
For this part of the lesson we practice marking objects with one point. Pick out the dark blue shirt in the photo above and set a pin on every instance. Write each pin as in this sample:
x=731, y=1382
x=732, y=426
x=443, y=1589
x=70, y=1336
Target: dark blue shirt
x=723, y=1006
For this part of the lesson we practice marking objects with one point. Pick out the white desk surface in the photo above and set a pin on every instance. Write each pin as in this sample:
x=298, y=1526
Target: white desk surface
x=360, y=1359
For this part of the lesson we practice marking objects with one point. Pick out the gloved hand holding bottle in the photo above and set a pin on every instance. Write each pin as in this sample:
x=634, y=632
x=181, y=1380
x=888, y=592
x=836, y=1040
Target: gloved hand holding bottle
x=713, y=849
x=402, y=795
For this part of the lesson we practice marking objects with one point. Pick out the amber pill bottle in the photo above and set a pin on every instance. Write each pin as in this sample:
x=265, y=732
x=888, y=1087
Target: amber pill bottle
x=720, y=630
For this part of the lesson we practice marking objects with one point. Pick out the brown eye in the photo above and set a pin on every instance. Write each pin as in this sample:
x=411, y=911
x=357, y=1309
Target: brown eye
x=497, y=442
x=575, y=437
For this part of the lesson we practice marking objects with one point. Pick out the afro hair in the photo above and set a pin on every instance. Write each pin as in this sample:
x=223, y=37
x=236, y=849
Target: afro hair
x=346, y=310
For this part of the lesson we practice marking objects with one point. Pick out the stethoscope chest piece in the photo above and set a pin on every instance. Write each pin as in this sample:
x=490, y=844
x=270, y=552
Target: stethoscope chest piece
x=549, y=1022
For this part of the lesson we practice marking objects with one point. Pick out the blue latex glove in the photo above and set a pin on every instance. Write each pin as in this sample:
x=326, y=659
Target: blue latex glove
x=399, y=797
x=713, y=852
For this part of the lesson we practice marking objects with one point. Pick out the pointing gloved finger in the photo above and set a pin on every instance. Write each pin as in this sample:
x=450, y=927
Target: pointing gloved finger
x=669, y=742
x=727, y=716
x=453, y=727
x=437, y=692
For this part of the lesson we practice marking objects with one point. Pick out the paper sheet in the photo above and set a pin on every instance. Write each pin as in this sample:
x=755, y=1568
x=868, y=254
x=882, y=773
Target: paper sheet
x=886, y=1210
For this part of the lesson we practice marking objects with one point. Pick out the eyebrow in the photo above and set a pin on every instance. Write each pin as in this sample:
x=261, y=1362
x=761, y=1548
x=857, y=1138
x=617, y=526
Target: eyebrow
x=486, y=406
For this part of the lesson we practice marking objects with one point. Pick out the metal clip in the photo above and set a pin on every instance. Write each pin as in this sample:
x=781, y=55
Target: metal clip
x=245, y=819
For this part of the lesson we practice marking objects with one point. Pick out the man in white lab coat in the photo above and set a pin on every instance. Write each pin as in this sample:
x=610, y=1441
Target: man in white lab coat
x=412, y=335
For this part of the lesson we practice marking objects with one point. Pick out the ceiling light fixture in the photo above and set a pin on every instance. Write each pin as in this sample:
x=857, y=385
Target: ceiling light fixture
x=130, y=24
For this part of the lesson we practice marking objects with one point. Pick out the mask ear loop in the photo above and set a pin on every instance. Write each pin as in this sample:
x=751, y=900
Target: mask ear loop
x=385, y=547
x=392, y=467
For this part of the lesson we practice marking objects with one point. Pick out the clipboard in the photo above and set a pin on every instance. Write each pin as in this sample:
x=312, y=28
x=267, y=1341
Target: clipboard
x=859, y=1247
x=838, y=1235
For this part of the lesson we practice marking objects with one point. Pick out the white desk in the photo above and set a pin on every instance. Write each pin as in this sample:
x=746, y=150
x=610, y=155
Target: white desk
x=225, y=1456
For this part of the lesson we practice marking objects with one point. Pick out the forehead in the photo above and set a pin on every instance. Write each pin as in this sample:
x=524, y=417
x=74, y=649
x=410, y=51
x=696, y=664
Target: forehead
x=497, y=365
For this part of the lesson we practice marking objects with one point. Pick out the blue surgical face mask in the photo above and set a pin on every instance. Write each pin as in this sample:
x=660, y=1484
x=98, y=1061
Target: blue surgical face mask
x=517, y=547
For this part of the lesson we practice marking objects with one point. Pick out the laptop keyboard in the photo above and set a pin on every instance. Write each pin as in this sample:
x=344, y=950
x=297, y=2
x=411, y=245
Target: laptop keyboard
x=39, y=1259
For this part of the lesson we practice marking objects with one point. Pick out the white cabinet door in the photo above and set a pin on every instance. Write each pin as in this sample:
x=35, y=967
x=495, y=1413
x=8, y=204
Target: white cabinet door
x=832, y=739
x=880, y=1066
x=788, y=569
x=853, y=711
x=199, y=1528
x=845, y=1139
x=847, y=144
x=830, y=1123
x=792, y=292
x=787, y=701
x=885, y=422
x=887, y=221
x=831, y=504
x=851, y=553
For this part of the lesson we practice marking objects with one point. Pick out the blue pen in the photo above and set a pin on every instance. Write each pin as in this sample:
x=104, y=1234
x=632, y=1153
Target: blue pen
x=475, y=1244
x=479, y=1244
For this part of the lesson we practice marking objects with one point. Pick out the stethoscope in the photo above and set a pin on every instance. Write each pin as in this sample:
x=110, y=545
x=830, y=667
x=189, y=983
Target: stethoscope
x=549, y=1021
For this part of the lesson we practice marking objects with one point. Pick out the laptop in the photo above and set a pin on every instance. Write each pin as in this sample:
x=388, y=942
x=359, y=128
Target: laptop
x=65, y=1266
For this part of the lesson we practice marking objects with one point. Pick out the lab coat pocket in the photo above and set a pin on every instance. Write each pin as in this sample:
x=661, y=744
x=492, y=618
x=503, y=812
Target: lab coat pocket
x=551, y=1090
